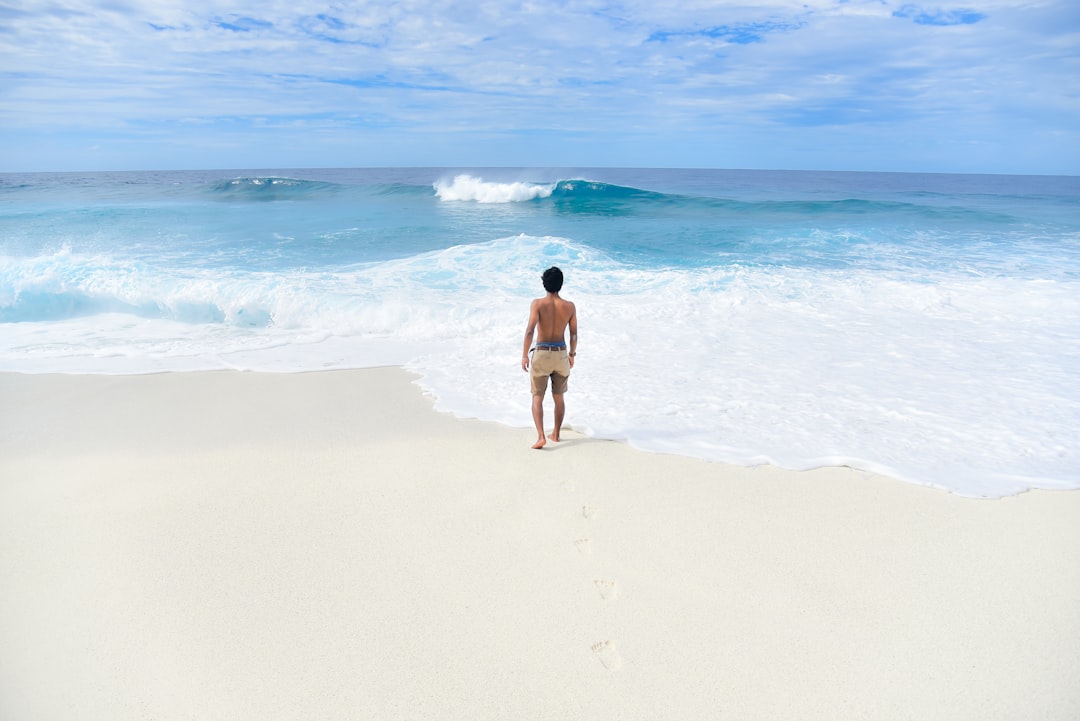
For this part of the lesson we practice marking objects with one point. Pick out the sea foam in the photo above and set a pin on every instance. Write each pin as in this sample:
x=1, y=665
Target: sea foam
x=959, y=382
x=468, y=187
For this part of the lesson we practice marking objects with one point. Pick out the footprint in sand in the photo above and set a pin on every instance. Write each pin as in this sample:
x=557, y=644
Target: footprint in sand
x=609, y=590
x=605, y=651
x=589, y=512
x=584, y=545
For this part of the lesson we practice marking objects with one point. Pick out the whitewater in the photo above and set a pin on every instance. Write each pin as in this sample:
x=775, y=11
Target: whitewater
x=922, y=326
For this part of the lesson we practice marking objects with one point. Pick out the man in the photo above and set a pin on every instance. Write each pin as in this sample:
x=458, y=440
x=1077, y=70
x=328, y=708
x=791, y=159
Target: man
x=549, y=317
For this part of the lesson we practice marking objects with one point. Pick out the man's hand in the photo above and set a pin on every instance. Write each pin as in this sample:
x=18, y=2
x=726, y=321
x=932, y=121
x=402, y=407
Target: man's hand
x=524, y=362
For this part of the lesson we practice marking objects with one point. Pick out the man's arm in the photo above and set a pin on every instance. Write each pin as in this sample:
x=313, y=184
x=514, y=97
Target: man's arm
x=530, y=331
x=573, y=333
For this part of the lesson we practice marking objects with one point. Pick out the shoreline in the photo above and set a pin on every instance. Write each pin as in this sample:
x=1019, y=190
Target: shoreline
x=228, y=544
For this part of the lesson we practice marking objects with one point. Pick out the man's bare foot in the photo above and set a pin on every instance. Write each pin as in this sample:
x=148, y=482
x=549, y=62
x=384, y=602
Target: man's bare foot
x=540, y=443
x=554, y=437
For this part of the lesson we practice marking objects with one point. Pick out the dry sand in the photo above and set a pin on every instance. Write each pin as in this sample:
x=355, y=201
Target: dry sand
x=327, y=546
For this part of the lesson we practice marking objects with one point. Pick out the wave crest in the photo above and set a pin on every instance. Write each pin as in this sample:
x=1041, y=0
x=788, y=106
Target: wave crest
x=471, y=188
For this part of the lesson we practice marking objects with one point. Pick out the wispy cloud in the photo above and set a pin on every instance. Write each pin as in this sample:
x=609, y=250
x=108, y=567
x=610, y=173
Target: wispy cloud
x=820, y=83
x=938, y=16
x=243, y=24
x=740, y=33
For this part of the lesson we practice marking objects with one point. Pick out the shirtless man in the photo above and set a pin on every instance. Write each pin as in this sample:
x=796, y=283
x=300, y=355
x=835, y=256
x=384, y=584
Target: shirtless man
x=548, y=319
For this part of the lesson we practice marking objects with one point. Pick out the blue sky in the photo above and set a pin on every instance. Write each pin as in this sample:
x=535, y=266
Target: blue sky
x=985, y=86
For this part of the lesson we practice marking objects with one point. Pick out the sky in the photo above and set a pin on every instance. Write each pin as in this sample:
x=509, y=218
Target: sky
x=970, y=86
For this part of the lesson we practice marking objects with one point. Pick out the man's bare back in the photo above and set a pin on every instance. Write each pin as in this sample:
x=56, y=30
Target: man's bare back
x=553, y=314
x=549, y=319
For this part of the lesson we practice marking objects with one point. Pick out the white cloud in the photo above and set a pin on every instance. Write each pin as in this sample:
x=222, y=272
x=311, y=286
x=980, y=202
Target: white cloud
x=450, y=72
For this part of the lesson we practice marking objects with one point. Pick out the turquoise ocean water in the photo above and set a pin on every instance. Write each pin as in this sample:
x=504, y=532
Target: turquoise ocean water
x=924, y=326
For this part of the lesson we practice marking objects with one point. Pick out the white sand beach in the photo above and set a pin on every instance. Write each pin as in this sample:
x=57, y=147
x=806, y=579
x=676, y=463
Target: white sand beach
x=229, y=545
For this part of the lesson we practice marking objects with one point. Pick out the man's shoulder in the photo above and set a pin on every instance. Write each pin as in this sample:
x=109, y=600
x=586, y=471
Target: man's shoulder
x=555, y=301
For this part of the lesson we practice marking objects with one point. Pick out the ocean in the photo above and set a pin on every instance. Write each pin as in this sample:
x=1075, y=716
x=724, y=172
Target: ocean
x=922, y=326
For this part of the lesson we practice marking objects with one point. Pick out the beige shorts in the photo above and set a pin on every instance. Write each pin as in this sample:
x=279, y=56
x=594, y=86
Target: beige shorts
x=553, y=363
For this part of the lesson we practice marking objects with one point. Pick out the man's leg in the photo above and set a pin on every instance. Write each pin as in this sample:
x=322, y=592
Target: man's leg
x=538, y=420
x=560, y=411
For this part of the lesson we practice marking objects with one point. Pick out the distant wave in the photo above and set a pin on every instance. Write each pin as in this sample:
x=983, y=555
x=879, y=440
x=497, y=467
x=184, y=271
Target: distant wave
x=600, y=198
x=595, y=189
x=597, y=197
x=472, y=188
x=591, y=197
x=271, y=188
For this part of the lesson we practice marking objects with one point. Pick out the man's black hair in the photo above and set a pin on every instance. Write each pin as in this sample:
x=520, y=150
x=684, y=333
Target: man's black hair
x=552, y=278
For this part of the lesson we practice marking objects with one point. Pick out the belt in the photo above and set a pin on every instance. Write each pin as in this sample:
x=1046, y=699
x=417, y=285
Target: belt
x=541, y=346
